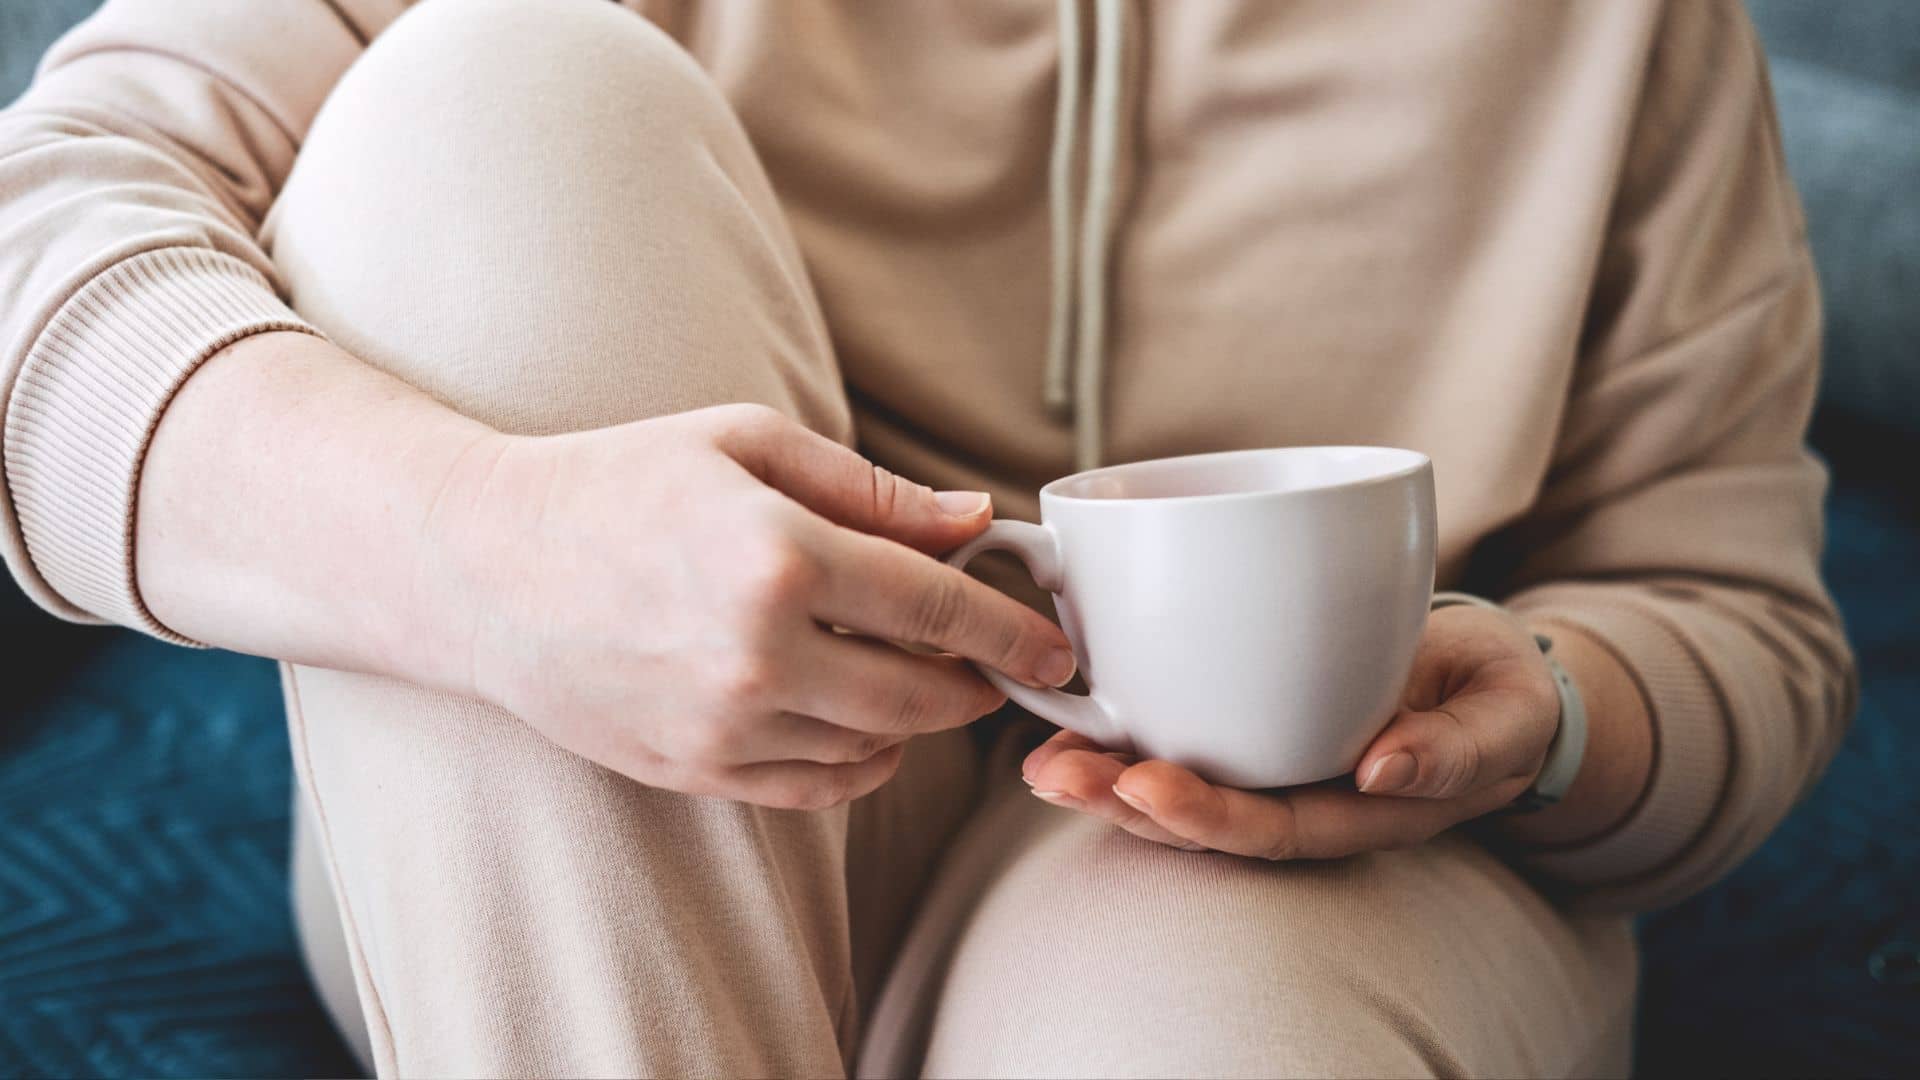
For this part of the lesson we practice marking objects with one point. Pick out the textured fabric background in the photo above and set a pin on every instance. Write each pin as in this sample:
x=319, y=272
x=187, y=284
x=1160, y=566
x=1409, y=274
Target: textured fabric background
x=144, y=920
x=1847, y=78
x=144, y=928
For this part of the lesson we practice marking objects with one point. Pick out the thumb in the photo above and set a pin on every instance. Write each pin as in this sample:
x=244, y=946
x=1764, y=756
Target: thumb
x=1479, y=709
x=1466, y=743
x=847, y=489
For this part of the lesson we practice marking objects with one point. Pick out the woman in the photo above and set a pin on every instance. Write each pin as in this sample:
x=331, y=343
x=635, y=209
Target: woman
x=496, y=369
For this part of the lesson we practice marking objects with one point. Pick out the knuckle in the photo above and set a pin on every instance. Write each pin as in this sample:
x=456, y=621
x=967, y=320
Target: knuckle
x=1013, y=640
x=916, y=710
x=655, y=772
x=891, y=496
x=777, y=577
x=865, y=746
x=1284, y=842
x=1280, y=849
x=825, y=793
x=1458, y=771
x=745, y=677
x=697, y=780
x=1456, y=757
x=940, y=612
x=748, y=418
x=784, y=797
x=1466, y=767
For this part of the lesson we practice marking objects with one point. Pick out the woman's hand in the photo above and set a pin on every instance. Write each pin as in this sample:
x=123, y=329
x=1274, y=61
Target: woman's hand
x=660, y=597
x=1478, y=714
x=654, y=596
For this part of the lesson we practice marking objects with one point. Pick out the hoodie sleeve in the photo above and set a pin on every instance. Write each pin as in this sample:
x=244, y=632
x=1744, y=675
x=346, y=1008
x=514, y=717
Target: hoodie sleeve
x=134, y=176
x=1681, y=522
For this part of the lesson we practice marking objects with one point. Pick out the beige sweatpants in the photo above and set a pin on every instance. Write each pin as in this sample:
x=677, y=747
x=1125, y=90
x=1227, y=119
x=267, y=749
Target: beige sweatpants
x=550, y=219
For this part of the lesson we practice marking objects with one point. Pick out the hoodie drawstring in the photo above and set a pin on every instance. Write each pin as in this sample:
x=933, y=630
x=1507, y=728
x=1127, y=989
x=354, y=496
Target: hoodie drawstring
x=1066, y=123
x=1076, y=336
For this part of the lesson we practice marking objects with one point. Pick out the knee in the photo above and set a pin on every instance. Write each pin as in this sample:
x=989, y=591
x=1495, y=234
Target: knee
x=484, y=199
x=460, y=107
x=510, y=63
x=1203, y=963
x=591, y=48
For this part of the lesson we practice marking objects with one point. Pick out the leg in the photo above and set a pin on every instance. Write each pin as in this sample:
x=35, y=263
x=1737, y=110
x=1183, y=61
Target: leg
x=1053, y=944
x=546, y=216
x=323, y=940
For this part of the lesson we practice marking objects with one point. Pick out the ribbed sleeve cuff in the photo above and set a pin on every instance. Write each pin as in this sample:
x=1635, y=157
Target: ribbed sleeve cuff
x=91, y=394
x=1692, y=744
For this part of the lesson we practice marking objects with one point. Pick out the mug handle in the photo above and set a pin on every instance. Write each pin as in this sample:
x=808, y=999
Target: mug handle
x=1036, y=546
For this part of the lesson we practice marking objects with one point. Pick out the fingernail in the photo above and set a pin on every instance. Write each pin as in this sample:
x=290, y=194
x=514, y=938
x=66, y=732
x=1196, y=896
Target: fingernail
x=1134, y=801
x=1390, y=774
x=1058, y=798
x=1024, y=780
x=1056, y=668
x=961, y=503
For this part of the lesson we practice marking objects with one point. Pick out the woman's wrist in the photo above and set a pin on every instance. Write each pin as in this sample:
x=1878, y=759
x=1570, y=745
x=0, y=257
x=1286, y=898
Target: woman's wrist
x=283, y=506
x=473, y=542
x=1619, y=756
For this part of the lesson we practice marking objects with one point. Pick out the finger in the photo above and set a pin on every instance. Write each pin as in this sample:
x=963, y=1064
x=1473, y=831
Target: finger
x=793, y=737
x=845, y=488
x=1316, y=822
x=1462, y=745
x=878, y=688
x=1037, y=759
x=1081, y=779
x=807, y=785
x=885, y=590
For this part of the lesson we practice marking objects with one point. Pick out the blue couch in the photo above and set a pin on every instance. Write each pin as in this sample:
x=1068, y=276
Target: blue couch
x=144, y=789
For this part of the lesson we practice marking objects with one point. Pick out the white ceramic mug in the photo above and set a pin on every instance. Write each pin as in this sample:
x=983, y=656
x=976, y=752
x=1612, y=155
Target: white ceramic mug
x=1251, y=615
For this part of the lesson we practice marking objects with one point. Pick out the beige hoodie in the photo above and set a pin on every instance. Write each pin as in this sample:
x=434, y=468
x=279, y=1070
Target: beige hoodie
x=1551, y=245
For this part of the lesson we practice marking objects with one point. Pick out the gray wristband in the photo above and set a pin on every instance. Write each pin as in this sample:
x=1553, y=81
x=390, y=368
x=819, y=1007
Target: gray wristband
x=1569, y=744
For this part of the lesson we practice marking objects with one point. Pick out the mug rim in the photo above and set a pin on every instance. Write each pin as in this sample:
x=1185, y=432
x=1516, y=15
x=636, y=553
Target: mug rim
x=1417, y=462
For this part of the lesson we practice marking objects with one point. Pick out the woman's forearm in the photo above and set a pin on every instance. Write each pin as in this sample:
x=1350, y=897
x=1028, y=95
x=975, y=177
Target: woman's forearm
x=1619, y=755
x=286, y=508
